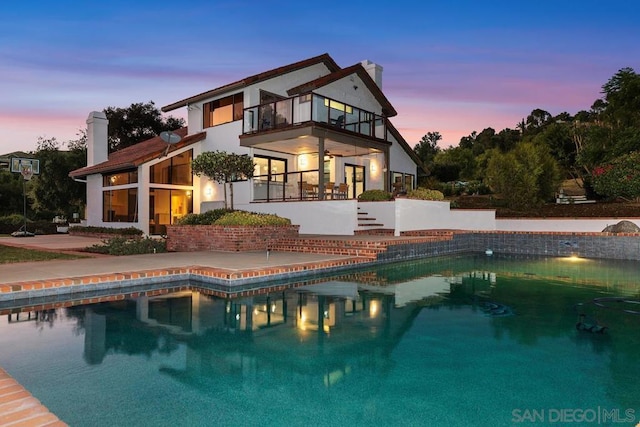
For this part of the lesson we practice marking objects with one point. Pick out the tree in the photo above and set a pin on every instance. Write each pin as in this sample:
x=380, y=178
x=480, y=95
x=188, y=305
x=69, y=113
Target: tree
x=11, y=197
x=537, y=120
x=223, y=168
x=53, y=191
x=427, y=148
x=622, y=97
x=137, y=123
x=454, y=163
x=526, y=176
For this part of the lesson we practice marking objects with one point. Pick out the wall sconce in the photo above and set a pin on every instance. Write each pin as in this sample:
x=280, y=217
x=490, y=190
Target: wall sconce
x=208, y=191
x=188, y=194
x=374, y=168
x=303, y=161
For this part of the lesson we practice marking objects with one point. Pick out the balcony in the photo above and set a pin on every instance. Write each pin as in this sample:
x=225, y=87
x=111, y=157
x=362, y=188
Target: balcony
x=321, y=140
x=311, y=107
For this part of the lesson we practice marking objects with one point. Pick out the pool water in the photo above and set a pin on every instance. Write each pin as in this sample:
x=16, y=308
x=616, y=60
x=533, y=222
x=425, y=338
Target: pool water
x=469, y=340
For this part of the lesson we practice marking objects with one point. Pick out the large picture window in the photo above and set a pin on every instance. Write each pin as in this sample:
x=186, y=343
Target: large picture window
x=166, y=206
x=175, y=170
x=223, y=110
x=120, y=205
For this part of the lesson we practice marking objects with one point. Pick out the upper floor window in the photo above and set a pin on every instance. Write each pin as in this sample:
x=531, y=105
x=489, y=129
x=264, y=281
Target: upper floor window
x=175, y=170
x=223, y=110
x=120, y=178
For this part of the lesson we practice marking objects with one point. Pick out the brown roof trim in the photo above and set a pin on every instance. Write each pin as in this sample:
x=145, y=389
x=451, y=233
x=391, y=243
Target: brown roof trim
x=387, y=108
x=324, y=58
x=135, y=155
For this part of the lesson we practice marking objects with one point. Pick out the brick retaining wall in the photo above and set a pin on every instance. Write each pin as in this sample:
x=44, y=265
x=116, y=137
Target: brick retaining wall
x=191, y=238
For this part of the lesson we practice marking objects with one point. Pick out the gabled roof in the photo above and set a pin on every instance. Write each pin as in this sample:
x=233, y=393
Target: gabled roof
x=320, y=59
x=387, y=108
x=134, y=155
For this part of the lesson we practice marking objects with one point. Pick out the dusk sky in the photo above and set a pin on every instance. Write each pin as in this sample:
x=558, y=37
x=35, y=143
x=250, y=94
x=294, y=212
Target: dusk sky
x=451, y=67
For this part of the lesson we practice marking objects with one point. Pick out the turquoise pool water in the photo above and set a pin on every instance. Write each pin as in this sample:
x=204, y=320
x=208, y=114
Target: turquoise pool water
x=473, y=340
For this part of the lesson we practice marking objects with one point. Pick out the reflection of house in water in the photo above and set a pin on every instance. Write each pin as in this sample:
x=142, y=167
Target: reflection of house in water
x=319, y=333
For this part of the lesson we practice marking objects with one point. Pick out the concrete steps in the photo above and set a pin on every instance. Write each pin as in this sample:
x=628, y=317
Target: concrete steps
x=368, y=224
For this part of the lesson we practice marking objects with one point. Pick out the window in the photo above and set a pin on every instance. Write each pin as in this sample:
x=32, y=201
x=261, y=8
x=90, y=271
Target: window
x=402, y=182
x=270, y=168
x=166, y=206
x=120, y=205
x=120, y=178
x=175, y=170
x=223, y=110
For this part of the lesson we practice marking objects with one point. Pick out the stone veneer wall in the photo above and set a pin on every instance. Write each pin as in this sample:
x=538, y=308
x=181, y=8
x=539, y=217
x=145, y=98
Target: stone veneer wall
x=191, y=238
x=624, y=246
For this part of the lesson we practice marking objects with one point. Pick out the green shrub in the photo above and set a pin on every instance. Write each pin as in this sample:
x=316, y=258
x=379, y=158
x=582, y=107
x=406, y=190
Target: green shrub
x=251, y=218
x=375, y=196
x=129, y=231
x=205, y=218
x=13, y=219
x=127, y=246
x=14, y=222
x=425, y=194
x=478, y=187
x=619, y=178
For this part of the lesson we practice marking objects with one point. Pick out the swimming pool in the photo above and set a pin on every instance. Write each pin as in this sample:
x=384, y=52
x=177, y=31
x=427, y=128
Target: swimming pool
x=468, y=340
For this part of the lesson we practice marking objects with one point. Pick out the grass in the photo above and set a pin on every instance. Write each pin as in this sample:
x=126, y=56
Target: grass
x=9, y=254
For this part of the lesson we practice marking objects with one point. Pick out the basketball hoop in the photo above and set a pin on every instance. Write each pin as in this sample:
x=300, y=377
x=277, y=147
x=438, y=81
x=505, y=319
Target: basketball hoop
x=27, y=172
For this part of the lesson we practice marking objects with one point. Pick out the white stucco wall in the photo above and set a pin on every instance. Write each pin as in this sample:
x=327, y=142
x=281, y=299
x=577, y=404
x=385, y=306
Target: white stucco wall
x=332, y=217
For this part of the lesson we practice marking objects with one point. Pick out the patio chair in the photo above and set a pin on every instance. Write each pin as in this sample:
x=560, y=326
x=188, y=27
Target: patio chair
x=342, y=191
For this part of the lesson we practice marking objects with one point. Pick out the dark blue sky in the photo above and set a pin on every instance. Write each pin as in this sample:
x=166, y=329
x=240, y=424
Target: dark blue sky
x=451, y=67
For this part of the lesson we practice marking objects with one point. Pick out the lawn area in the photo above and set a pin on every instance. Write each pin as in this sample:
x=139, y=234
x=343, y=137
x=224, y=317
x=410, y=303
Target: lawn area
x=9, y=254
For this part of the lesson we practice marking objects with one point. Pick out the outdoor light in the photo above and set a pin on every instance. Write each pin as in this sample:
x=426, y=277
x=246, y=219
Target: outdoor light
x=303, y=162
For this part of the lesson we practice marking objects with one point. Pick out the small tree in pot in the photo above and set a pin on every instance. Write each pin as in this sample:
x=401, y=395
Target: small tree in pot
x=223, y=168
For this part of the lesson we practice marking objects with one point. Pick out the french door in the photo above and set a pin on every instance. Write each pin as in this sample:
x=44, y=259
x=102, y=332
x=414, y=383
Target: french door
x=354, y=177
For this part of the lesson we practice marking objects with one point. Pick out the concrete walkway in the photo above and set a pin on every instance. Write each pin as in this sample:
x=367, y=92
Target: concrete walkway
x=102, y=265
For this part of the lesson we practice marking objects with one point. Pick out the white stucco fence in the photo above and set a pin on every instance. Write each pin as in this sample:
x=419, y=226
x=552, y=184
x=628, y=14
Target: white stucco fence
x=339, y=217
x=333, y=217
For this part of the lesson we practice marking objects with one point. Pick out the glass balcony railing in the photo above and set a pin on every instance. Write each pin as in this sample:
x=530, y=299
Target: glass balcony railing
x=301, y=185
x=313, y=107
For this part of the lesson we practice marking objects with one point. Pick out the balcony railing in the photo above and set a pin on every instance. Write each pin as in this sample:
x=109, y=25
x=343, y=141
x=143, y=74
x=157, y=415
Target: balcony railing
x=313, y=107
x=290, y=186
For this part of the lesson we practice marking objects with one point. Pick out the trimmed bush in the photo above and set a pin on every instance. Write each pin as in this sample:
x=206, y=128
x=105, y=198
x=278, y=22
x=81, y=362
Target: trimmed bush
x=425, y=194
x=205, y=218
x=251, y=219
x=126, y=246
x=129, y=231
x=375, y=196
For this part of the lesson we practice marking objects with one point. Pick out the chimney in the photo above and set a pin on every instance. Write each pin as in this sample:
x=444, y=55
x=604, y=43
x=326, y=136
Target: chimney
x=374, y=70
x=97, y=143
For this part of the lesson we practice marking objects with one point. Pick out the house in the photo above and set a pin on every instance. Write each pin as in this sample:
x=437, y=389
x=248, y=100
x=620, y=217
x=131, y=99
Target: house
x=319, y=136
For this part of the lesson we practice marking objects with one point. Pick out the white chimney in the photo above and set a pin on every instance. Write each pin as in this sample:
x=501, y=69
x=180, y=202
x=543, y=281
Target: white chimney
x=97, y=143
x=374, y=70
